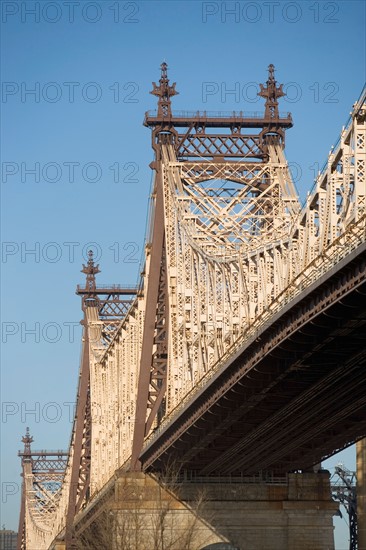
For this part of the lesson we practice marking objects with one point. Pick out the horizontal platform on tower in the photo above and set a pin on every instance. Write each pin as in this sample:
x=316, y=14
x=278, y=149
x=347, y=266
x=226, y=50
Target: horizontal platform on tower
x=219, y=119
x=44, y=453
x=105, y=290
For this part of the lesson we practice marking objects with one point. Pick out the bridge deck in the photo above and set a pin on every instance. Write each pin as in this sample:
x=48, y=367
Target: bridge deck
x=272, y=406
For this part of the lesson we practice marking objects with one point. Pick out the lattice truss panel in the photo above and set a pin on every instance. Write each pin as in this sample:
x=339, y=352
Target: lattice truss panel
x=227, y=236
x=111, y=311
x=113, y=381
x=46, y=519
x=236, y=241
x=339, y=196
x=113, y=386
x=46, y=490
x=202, y=144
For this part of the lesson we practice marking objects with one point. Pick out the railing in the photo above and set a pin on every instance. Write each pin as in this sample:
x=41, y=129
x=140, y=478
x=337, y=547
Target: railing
x=44, y=452
x=107, y=287
x=338, y=250
x=216, y=114
x=361, y=100
x=262, y=477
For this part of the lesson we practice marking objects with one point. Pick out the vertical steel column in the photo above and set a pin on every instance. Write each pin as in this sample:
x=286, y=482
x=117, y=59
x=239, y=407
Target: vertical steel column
x=82, y=425
x=361, y=494
x=21, y=545
x=157, y=239
x=26, y=459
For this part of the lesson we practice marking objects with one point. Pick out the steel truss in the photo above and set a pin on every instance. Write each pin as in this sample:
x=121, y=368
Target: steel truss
x=229, y=247
x=344, y=489
x=43, y=475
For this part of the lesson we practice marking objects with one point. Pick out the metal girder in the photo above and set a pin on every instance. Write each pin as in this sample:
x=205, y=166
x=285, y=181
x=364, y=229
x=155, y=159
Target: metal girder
x=158, y=375
x=112, y=301
x=213, y=210
x=218, y=119
x=244, y=368
x=21, y=540
x=344, y=489
x=80, y=469
x=201, y=145
x=152, y=329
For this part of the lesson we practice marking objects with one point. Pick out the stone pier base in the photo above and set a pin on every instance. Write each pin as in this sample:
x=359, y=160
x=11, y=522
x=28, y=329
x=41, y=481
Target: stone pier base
x=142, y=514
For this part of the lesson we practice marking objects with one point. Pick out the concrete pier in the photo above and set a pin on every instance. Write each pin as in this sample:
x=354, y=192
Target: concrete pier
x=291, y=514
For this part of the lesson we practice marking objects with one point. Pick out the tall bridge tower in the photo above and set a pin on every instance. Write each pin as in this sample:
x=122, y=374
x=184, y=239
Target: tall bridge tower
x=43, y=474
x=222, y=189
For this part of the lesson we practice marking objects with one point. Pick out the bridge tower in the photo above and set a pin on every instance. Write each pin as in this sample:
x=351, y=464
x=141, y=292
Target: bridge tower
x=104, y=307
x=252, y=201
x=43, y=473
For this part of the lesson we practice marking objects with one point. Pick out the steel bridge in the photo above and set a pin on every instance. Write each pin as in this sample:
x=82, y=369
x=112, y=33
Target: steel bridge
x=243, y=348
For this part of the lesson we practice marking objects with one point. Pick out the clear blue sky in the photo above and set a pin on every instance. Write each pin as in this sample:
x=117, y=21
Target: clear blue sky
x=91, y=65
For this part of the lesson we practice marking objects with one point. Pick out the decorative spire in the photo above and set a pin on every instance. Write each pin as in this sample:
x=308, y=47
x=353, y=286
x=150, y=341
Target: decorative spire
x=164, y=92
x=27, y=440
x=271, y=92
x=90, y=271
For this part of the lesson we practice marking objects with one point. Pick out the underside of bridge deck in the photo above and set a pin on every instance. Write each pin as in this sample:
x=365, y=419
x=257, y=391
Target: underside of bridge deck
x=293, y=396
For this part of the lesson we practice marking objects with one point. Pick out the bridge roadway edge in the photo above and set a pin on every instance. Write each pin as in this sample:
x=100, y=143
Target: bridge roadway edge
x=224, y=379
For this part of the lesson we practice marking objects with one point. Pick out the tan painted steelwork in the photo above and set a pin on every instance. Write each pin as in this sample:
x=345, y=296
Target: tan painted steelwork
x=229, y=246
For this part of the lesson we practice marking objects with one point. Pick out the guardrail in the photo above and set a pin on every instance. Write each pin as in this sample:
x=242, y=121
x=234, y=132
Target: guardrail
x=265, y=477
x=361, y=100
x=216, y=114
x=45, y=452
x=108, y=287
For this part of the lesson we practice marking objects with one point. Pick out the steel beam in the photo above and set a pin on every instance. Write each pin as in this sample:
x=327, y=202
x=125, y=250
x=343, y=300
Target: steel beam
x=151, y=302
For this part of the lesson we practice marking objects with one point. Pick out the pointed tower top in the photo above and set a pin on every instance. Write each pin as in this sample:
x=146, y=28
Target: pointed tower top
x=90, y=271
x=27, y=440
x=271, y=77
x=271, y=92
x=164, y=92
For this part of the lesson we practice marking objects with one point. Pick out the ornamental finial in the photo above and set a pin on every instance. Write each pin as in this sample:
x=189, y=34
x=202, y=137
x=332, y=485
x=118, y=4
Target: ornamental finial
x=90, y=271
x=271, y=92
x=27, y=440
x=164, y=92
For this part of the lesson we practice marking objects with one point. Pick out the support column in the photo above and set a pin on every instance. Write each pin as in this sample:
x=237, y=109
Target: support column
x=310, y=511
x=293, y=513
x=361, y=494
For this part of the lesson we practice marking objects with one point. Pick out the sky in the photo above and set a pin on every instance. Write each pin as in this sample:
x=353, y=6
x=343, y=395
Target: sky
x=75, y=157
